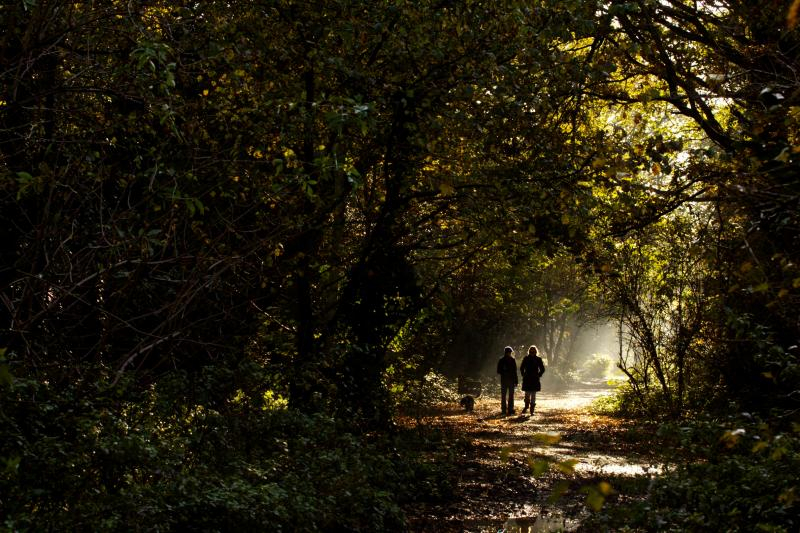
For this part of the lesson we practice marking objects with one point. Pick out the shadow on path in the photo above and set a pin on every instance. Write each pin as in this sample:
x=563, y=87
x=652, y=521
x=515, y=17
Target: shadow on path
x=524, y=473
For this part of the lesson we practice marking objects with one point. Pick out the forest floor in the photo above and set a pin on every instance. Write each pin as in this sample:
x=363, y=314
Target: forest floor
x=539, y=473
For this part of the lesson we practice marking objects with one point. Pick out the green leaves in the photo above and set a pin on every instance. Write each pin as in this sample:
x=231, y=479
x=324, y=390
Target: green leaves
x=596, y=495
x=26, y=183
x=538, y=466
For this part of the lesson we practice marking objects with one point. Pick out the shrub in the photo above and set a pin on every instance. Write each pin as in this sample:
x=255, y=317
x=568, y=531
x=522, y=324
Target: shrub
x=596, y=367
x=417, y=395
x=80, y=457
x=740, y=475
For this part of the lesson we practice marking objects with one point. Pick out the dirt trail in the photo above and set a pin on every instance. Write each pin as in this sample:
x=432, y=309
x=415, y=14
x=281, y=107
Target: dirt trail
x=534, y=473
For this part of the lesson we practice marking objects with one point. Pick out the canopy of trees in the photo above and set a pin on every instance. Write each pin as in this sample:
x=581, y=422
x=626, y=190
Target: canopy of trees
x=213, y=210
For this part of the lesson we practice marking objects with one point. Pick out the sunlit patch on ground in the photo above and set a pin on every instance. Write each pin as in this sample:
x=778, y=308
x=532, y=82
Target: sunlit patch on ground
x=508, y=478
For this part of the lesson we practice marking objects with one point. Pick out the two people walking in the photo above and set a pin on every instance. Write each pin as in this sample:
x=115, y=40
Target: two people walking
x=531, y=368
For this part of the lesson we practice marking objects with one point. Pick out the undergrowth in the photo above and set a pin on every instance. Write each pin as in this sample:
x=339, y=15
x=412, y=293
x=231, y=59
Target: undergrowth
x=733, y=474
x=78, y=458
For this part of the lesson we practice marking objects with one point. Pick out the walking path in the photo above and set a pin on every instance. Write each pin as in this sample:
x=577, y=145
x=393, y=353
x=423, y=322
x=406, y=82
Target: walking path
x=537, y=473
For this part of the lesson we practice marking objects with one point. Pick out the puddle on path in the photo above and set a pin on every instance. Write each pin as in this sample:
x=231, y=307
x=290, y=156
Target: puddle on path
x=542, y=524
x=498, y=488
x=552, y=409
x=530, y=522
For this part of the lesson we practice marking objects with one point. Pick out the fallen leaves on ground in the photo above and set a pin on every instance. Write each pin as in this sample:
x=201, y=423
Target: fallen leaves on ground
x=547, y=470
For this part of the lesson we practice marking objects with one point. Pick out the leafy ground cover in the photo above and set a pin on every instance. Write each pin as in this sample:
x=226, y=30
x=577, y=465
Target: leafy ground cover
x=548, y=471
x=71, y=460
x=569, y=468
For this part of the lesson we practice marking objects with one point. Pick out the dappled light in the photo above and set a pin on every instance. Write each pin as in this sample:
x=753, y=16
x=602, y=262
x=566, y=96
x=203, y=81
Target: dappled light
x=507, y=478
x=259, y=262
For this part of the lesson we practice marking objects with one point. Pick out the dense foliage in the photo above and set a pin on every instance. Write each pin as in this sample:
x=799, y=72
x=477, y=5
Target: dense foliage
x=731, y=474
x=103, y=460
x=235, y=236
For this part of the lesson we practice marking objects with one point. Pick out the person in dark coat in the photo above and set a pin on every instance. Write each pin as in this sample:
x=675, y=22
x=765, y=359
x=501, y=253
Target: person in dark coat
x=507, y=368
x=531, y=368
